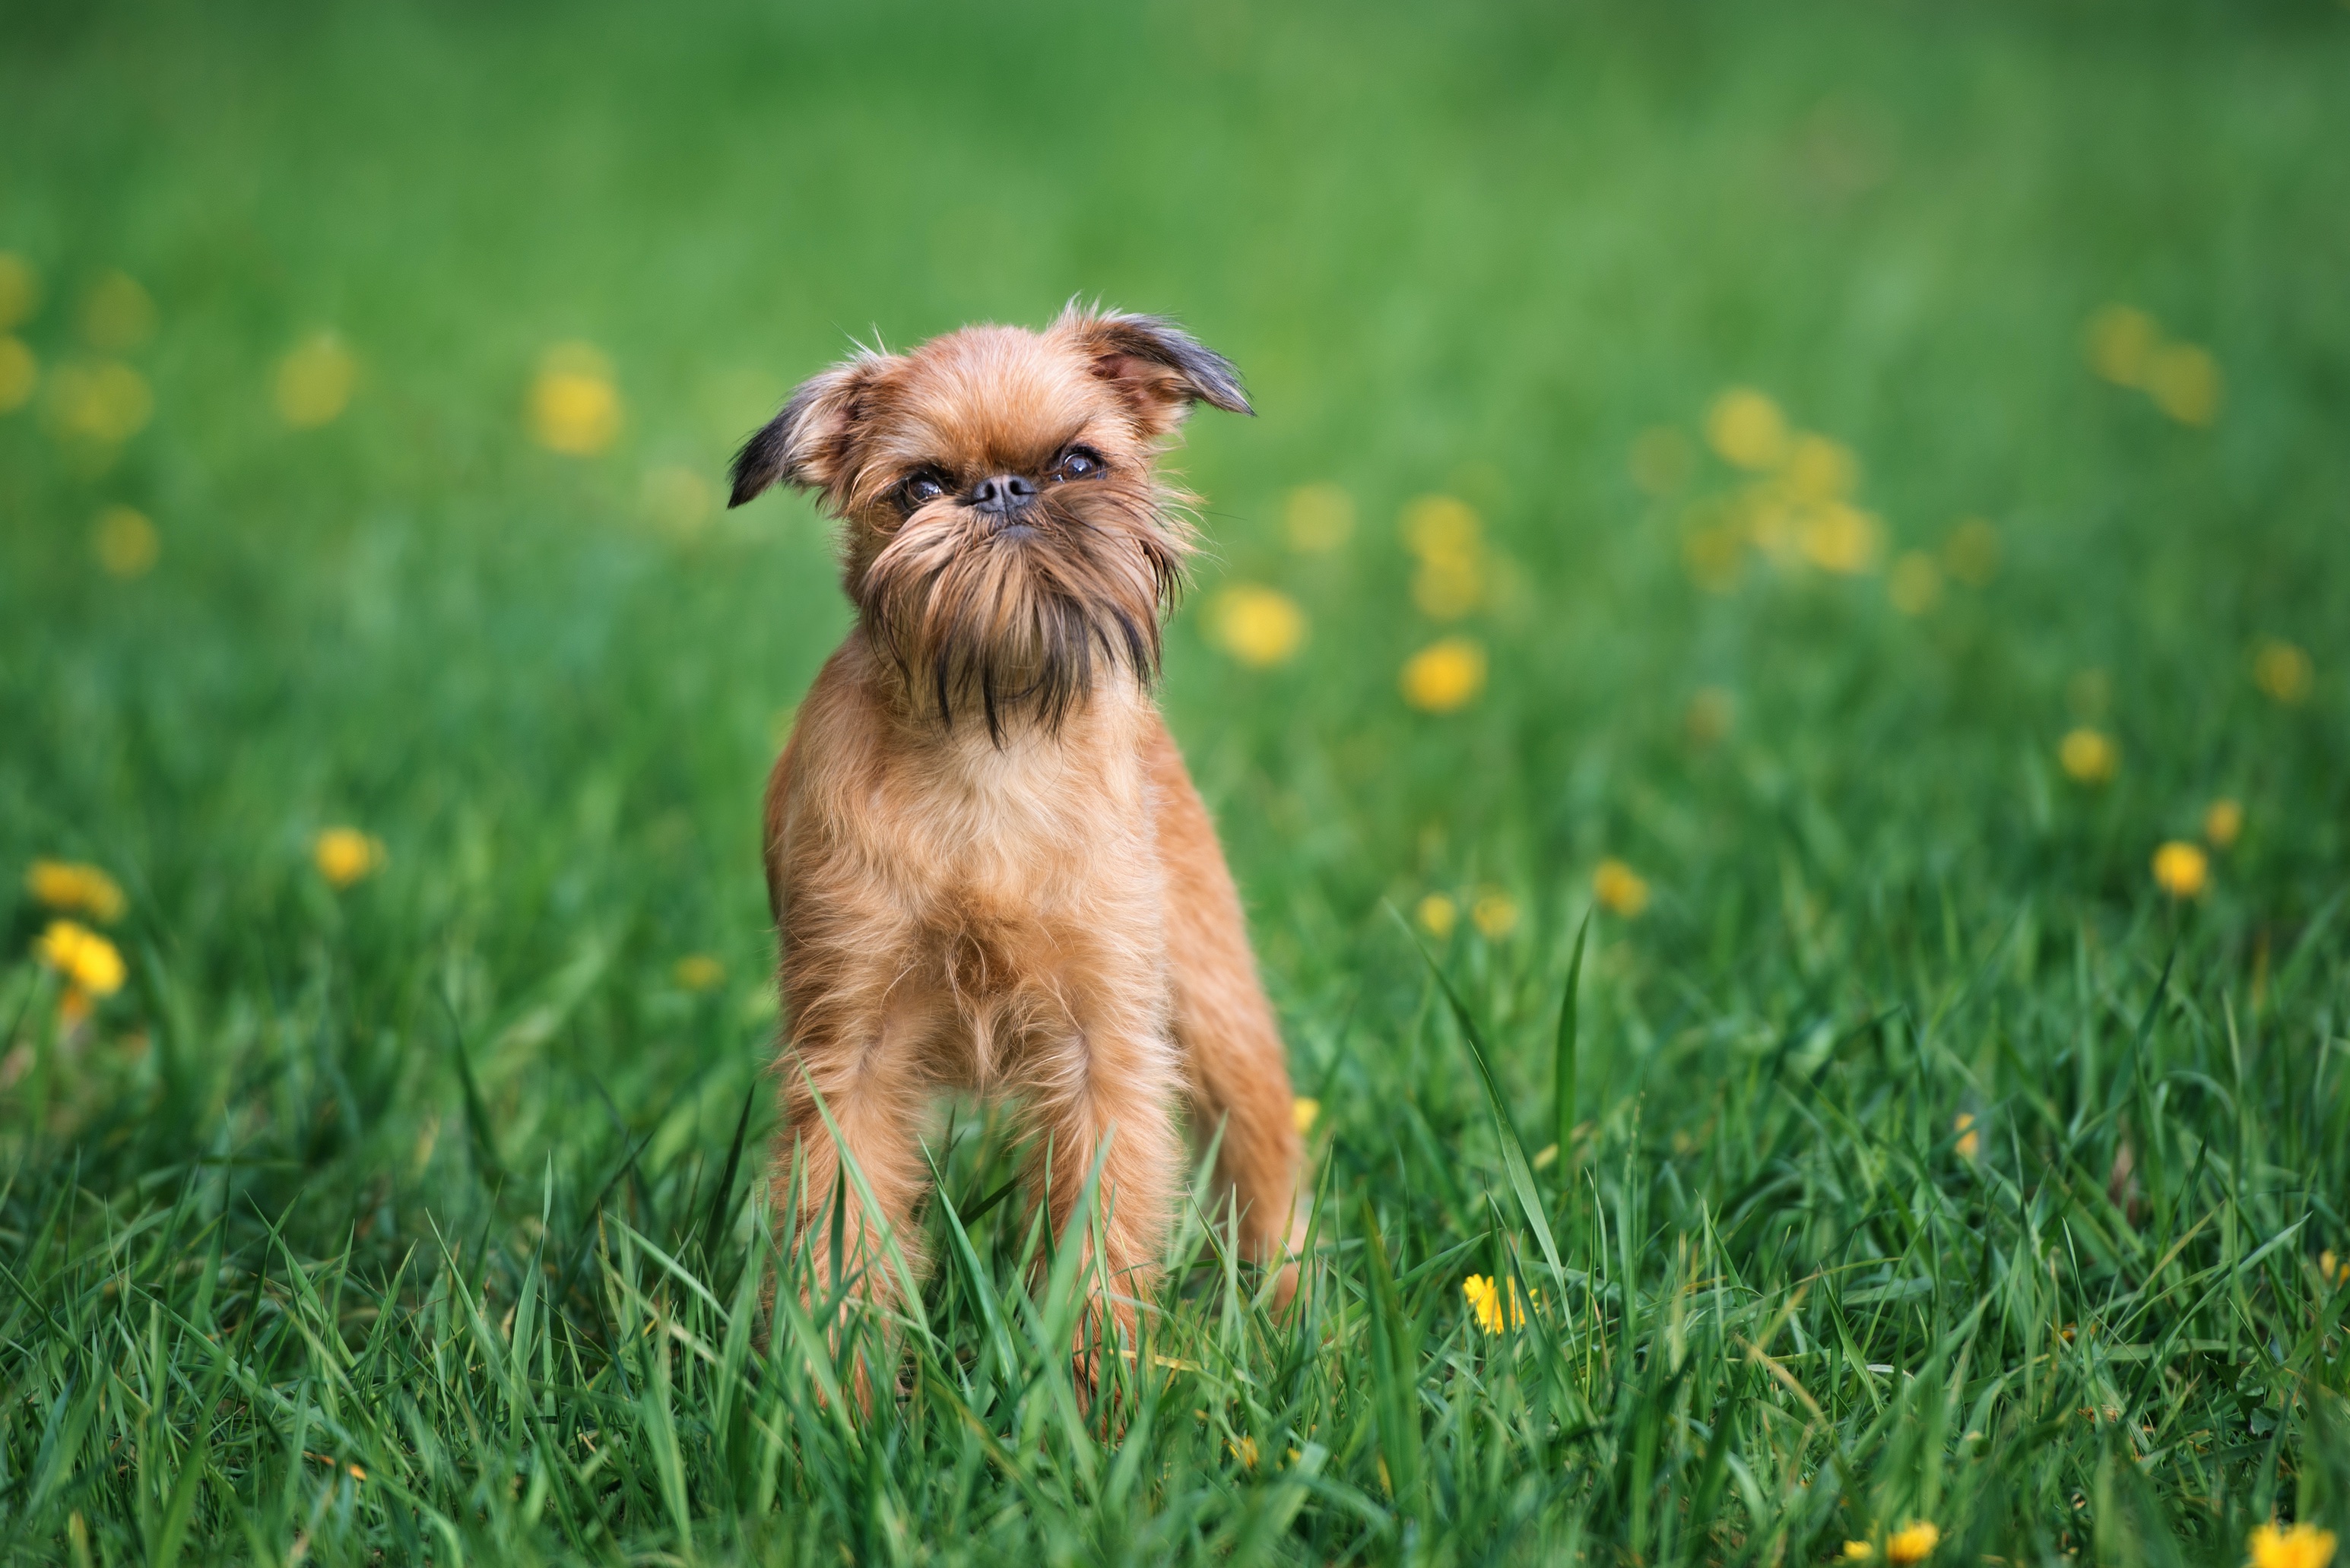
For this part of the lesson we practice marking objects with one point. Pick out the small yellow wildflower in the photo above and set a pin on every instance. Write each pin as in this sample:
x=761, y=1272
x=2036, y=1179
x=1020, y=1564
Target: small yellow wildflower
x=1915, y=586
x=2184, y=382
x=1972, y=552
x=1447, y=536
x=116, y=313
x=125, y=543
x=1260, y=627
x=575, y=407
x=1495, y=914
x=2181, y=870
x=1841, y=537
x=678, y=500
x=2223, y=822
x=1746, y=428
x=2282, y=670
x=1663, y=461
x=88, y=963
x=1245, y=1451
x=314, y=381
x=20, y=372
x=2292, y=1546
x=1445, y=676
x=1913, y=1542
x=1711, y=711
x=2121, y=344
x=1969, y=1143
x=105, y=401
x=1858, y=1552
x=1484, y=1297
x=1318, y=518
x=2089, y=756
x=1620, y=890
x=75, y=888
x=345, y=855
x=1438, y=914
x=698, y=972
x=1819, y=471
x=2333, y=1270
x=1302, y=1112
x=20, y=290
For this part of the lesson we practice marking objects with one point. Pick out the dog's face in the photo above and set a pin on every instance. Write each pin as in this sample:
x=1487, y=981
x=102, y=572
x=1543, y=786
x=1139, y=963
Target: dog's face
x=1004, y=531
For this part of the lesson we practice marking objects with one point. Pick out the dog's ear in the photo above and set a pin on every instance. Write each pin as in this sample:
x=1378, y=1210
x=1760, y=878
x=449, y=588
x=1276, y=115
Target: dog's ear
x=809, y=442
x=1160, y=369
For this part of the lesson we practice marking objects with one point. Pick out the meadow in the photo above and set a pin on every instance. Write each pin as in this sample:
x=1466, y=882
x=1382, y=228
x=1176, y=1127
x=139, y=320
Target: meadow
x=1772, y=670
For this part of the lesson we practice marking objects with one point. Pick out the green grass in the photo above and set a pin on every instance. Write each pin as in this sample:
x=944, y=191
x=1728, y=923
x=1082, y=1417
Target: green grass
x=444, y=1181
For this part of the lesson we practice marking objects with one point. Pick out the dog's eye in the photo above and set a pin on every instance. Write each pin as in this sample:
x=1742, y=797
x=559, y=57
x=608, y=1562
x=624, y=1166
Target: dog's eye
x=922, y=489
x=1079, y=462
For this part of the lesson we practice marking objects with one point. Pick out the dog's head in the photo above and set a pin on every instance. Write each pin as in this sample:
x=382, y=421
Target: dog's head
x=1004, y=533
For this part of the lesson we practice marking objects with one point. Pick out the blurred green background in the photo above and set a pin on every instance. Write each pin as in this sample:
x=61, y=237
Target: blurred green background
x=1832, y=407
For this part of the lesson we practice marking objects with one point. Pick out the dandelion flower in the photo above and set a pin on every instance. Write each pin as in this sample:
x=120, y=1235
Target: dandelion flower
x=2089, y=756
x=2181, y=870
x=1972, y=552
x=1746, y=429
x=20, y=290
x=20, y=372
x=1841, y=537
x=2223, y=822
x=698, y=972
x=1913, y=1542
x=1663, y=461
x=1620, y=890
x=2282, y=670
x=1302, y=1113
x=1318, y=518
x=1494, y=913
x=1915, y=586
x=1858, y=1552
x=575, y=407
x=1819, y=471
x=88, y=963
x=1970, y=1142
x=2184, y=381
x=2121, y=342
x=1438, y=914
x=125, y=543
x=345, y=855
x=2291, y=1546
x=77, y=889
x=103, y=401
x=1260, y=627
x=116, y=313
x=1445, y=676
x=1485, y=1299
x=314, y=381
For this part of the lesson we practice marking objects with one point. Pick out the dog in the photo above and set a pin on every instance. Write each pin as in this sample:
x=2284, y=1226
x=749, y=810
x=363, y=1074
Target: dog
x=988, y=867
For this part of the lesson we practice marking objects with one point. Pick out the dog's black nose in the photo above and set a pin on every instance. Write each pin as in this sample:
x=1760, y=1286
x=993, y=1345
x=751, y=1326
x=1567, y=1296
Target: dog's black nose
x=1004, y=494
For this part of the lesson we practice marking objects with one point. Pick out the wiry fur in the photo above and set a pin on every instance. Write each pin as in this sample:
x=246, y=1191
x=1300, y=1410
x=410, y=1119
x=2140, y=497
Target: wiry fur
x=1035, y=904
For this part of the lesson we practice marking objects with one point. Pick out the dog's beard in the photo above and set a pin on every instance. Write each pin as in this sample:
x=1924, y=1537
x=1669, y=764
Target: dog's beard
x=979, y=616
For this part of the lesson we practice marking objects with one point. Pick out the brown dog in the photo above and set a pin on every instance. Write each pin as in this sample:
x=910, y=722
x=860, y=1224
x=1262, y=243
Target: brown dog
x=988, y=867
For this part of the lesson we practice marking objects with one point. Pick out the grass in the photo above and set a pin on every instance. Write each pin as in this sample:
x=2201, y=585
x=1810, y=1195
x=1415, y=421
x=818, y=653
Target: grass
x=414, y=1219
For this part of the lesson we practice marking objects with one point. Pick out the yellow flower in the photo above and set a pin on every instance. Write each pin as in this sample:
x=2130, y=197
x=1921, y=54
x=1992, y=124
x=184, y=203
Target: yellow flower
x=71, y=886
x=1970, y=1139
x=125, y=543
x=1448, y=537
x=698, y=972
x=20, y=372
x=344, y=854
x=104, y=402
x=1913, y=1542
x=1747, y=429
x=1858, y=1552
x=1916, y=584
x=1484, y=1297
x=2184, y=382
x=1495, y=914
x=1840, y=537
x=116, y=313
x=88, y=962
x=1318, y=518
x=1620, y=890
x=1711, y=711
x=2333, y=1270
x=2293, y=1546
x=1437, y=914
x=2088, y=755
x=2121, y=344
x=1445, y=676
x=2181, y=870
x=1662, y=459
x=1301, y=1114
x=20, y=290
x=575, y=407
x=314, y=381
x=1260, y=627
x=1245, y=1451
x=1819, y=471
x=2282, y=670
x=1972, y=552
x=2223, y=822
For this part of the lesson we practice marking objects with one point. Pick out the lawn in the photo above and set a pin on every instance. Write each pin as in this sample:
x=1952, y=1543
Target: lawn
x=1840, y=504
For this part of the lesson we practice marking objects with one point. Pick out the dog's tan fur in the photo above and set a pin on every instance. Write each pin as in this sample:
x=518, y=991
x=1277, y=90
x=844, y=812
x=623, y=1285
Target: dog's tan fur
x=988, y=866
